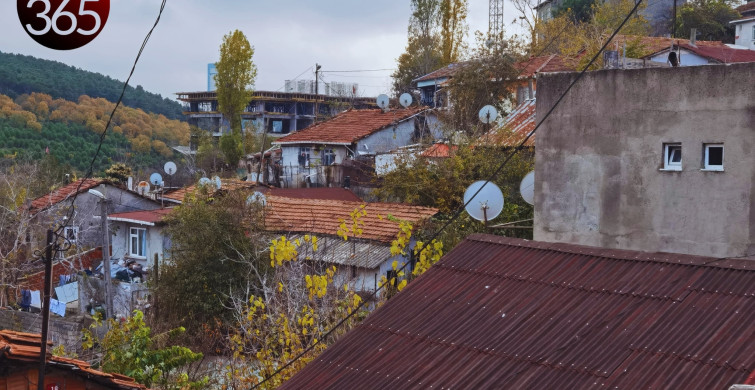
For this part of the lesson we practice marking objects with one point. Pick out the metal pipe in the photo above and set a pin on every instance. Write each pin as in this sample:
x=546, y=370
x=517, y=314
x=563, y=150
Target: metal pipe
x=45, y=310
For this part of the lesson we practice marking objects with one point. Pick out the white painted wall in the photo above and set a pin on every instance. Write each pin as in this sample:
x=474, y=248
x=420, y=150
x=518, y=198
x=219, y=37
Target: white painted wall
x=744, y=34
x=156, y=243
x=687, y=58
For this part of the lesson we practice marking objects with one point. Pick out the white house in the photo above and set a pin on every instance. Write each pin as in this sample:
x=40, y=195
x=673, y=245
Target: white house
x=308, y=155
x=744, y=28
x=137, y=235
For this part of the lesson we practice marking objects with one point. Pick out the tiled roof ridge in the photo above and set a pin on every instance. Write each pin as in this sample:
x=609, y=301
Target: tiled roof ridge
x=59, y=194
x=620, y=254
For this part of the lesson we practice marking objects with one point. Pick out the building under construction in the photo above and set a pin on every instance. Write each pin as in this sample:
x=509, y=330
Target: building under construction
x=277, y=113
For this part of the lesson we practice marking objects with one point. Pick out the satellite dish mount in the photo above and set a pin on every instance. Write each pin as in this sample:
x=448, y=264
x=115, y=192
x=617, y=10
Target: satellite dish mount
x=383, y=102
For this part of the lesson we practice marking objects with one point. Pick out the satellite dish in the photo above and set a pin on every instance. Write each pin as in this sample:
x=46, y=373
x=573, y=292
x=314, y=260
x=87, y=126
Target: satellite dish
x=217, y=182
x=170, y=168
x=257, y=197
x=527, y=188
x=382, y=101
x=488, y=114
x=156, y=179
x=405, y=100
x=142, y=188
x=487, y=204
x=204, y=181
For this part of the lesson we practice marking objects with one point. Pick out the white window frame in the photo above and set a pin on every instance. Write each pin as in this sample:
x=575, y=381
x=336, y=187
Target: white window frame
x=134, y=233
x=706, y=165
x=328, y=156
x=753, y=33
x=668, y=149
x=68, y=230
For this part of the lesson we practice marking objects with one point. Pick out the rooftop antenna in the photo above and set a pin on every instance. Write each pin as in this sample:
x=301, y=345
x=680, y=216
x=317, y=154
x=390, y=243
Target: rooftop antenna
x=142, y=188
x=495, y=21
x=405, y=100
x=527, y=188
x=256, y=197
x=170, y=168
x=383, y=101
x=487, y=204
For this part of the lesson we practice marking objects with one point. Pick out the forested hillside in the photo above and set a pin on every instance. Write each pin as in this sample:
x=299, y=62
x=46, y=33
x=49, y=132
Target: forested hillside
x=35, y=124
x=20, y=74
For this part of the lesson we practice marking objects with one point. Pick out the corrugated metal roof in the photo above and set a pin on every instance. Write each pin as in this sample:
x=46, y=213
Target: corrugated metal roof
x=509, y=313
x=354, y=252
x=516, y=127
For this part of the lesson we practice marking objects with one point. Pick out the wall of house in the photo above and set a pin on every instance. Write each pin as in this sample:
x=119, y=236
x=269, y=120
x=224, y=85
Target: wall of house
x=599, y=160
x=687, y=58
x=120, y=238
x=744, y=34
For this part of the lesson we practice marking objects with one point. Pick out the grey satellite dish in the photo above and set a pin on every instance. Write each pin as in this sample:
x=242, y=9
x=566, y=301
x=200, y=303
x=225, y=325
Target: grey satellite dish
x=257, y=197
x=527, y=188
x=405, y=100
x=487, y=204
x=488, y=114
x=156, y=179
x=217, y=182
x=204, y=181
x=142, y=188
x=170, y=168
x=383, y=101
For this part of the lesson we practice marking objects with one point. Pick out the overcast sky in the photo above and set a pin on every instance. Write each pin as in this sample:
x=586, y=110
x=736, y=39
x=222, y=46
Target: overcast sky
x=289, y=37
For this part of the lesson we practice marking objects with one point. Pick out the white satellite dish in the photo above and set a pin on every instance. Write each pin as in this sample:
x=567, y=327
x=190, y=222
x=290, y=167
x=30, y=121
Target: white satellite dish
x=257, y=197
x=217, y=182
x=405, y=100
x=488, y=114
x=383, y=101
x=170, y=168
x=527, y=188
x=142, y=188
x=204, y=181
x=156, y=179
x=487, y=204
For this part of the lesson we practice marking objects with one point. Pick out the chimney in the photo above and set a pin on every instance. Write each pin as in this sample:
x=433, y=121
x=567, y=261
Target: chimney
x=130, y=185
x=693, y=37
x=530, y=88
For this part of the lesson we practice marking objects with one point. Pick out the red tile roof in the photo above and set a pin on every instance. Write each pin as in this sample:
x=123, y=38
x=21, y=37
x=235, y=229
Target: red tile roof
x=439, y=150
x=227, y=184
x=324, y=193
x=18, y=347
x=746, y=8
x=64, y=193
x=349, y=126
x=150, y=217
x=516, y=126
x=445, y=72
x=544, y=64
x=508, y=313
x=722, y=54
x=287, y=215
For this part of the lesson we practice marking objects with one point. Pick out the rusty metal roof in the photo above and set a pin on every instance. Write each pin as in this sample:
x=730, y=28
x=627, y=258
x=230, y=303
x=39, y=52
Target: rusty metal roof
x=516, y=127
x=354, y=252
x=508, y=313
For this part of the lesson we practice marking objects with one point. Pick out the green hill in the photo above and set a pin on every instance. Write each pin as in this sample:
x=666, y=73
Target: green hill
x=20, y=74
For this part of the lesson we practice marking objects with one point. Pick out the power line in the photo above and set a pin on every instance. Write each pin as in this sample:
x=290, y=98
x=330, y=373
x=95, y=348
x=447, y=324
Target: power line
x=461, y=209
x=357, y=71
x=297, y=77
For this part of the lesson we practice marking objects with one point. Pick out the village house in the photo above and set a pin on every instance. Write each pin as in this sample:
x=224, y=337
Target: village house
x=505, y=313
x=363, y=259
x=316, y=155
x=644, y=168
x=138, y=236
x=744, y=28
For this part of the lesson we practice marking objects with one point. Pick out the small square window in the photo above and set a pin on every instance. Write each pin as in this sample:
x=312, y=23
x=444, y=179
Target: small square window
x=672, y=157
x=71, y=233
x=714, y=157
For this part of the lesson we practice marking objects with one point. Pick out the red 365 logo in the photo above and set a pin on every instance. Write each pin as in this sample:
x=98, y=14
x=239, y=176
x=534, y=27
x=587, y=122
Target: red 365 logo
x=63, y=24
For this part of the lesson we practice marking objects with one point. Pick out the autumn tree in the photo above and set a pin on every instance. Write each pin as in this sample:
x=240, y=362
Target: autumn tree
x=453, y=29
x=234, y=80
x=710, y=17
x=119, y=173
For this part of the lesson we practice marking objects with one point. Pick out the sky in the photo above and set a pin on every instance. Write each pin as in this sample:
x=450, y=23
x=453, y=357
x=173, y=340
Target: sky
x=289, y=37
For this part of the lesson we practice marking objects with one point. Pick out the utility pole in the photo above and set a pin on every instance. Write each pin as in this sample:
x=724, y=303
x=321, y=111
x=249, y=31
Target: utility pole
x=673, y=23
x=106, y=258
x=317, y=89
x=46, y=309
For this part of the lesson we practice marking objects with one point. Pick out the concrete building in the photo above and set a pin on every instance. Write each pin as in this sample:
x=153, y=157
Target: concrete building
x=277, y=113
x=333, y=88
x=211, y=72
x=744, y=28
x=649, y=159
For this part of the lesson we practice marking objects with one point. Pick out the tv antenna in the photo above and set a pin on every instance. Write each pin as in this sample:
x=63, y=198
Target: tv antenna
x=405, y=100
x=383, y=101
x=527, y=188
x=487, y=204
x=256, y=197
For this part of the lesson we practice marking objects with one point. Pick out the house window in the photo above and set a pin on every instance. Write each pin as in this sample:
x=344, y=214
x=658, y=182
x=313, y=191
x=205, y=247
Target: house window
x=137, y=243
x=71, y=233
x=753, y=32
x=672, y=157
x=304, y=154
x=714, y=157
x=328, y=157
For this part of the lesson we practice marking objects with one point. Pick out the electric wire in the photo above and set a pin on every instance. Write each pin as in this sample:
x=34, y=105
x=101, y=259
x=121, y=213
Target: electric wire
x=461, y=209
x=89, y=172
x=357, y=70
x=296, y=78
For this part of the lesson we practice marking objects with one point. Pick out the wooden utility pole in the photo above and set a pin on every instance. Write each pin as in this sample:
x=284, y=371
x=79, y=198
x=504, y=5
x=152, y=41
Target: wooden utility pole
x=46, y=309
x=106, y=259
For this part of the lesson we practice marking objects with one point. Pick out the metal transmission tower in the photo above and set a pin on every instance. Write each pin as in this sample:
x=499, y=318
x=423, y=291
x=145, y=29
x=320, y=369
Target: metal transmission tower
x=495, y=21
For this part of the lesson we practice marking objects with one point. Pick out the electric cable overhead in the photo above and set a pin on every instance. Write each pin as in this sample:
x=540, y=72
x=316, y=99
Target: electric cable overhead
x=89, y=172
x=297, y=77
x=357, y=71
x=497, y=171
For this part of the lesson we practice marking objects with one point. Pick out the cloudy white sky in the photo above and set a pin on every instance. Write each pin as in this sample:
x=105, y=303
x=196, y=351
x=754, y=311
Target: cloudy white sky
x=289, y=37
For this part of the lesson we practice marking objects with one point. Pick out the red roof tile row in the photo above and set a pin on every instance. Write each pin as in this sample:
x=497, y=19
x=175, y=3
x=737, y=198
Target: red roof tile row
x=288, y=215
x=439, y=150
x=146, y=216
x=64, y=193
x=227, y=184
x=349, y=126
x=26, y=347
x=324, y=193
x=508, y=313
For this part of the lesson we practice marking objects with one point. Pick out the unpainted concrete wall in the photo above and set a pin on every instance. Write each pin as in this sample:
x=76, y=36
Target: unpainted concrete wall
x=599, y=158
